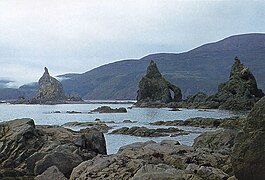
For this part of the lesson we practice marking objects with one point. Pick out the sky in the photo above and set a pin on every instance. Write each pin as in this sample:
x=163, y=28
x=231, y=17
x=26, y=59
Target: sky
x=78, y=35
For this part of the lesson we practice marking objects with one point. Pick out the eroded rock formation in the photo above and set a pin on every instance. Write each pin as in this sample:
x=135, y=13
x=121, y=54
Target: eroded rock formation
x=27, y=150
x=248, y=156
x=50, y=90
x=155, y=89
x=240, y=92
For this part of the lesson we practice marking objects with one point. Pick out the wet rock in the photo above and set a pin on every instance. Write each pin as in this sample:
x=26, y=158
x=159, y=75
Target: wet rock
x=129, y=121
x=145, y=132
x=248, y=156
x=228, y=123
x=107, y=109
x=100, y=126
x=175, y=109
x=73, y=112
x=155, y=90
x=51, y=173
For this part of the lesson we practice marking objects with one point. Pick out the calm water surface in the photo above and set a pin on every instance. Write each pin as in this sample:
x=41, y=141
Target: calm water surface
x=42, y=114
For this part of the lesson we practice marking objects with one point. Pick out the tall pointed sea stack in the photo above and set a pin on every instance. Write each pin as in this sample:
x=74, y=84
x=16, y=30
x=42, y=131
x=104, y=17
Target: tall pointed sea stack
x=50, y=89
x=240, y=92
x=155, y=89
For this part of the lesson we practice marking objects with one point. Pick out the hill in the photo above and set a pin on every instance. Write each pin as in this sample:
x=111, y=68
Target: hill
x=200, y=69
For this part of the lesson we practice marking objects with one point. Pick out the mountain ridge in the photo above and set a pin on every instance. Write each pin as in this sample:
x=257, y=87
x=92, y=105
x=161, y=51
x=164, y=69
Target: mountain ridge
x=199, y=69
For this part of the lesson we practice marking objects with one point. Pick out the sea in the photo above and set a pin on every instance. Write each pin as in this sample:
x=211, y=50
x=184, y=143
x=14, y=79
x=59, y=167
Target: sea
x=44, y=115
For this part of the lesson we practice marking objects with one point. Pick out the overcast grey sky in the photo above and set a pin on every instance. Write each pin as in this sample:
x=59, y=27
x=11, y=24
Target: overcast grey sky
x=79, y=35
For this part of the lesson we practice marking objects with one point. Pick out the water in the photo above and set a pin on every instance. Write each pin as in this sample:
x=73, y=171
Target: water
x=42, y=115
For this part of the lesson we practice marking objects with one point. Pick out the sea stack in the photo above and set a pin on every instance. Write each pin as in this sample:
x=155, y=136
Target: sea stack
x=240, y=92
x=154, y=89
x=50, y=89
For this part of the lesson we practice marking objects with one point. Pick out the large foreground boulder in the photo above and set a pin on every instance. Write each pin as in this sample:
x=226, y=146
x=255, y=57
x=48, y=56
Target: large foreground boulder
x=248, y=156
x=155, y=89
x=29, y=150
x=150, y=160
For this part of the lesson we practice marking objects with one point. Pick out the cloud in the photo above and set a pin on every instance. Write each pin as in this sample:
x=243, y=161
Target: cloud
x=76, y=36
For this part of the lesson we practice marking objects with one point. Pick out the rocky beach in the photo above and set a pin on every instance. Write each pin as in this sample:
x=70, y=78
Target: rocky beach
x=31, y=151
x=225, y=150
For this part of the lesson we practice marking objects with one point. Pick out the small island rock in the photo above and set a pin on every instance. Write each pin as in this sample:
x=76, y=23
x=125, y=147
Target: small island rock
x=50, y=89
x=155, y=89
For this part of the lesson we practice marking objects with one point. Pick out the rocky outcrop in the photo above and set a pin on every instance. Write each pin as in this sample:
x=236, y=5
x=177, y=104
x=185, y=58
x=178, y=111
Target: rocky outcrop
x=248, y=156
x=216, y=140
x=240, y=92
x=154, y=89
x=29, y=150
x=146, y=132
x=227, y=123
x=107, y=109
x=100, y=126
x=50, y=89
x=150, y=160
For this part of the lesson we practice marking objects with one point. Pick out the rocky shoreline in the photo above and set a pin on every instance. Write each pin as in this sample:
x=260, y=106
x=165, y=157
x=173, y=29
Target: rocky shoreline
x=236, y=151
x=29, y=151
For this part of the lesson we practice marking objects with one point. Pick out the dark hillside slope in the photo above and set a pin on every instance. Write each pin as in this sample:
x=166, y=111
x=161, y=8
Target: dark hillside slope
x=201, y=69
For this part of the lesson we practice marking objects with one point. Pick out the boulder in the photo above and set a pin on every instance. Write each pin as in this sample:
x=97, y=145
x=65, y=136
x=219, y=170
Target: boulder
x=248, y=157
x=150, y=160
x=154, y=89
x=107, y=167
x=51, y=173
x=29, y=150
x=216, y=140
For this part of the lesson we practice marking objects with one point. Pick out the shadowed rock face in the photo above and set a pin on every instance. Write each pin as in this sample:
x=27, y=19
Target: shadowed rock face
x=248, y=158
x=26, y=149
x=153, y=88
